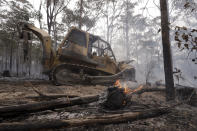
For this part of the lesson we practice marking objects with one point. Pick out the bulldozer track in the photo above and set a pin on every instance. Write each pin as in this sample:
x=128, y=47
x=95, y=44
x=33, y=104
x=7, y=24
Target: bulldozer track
x=76, y=66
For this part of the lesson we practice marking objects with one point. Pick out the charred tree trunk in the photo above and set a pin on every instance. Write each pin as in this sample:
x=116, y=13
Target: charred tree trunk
x=3, y=58
x=30, y=59
x=170, y=91
x=1, y=61
x=17, y=59
x=11, y=56
x=6, y=57
x=88, y=121
x=11, y=52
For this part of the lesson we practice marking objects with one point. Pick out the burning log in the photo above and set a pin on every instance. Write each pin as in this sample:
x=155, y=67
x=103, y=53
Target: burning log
x=88, y=121
x=119, y=96
x=11, y=111
x=116, y=98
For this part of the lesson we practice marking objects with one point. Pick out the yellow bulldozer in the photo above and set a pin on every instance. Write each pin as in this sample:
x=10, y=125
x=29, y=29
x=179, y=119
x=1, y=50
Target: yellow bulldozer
x=80, y=58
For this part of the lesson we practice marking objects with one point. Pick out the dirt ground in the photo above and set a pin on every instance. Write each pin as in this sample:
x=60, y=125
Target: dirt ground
x=182, y=117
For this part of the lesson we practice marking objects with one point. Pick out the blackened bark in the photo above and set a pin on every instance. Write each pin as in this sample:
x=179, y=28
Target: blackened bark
x=6, y=57
x=30, y=59
x=170, y=91
x=11, y=52
x=17, y=59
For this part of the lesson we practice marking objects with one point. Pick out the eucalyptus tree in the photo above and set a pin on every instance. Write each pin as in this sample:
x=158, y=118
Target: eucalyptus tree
x=84, y=14
x=53, y=9
x=128, y=21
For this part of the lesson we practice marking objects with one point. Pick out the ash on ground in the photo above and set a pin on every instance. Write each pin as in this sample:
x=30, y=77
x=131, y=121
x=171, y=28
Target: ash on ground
x=182, y=117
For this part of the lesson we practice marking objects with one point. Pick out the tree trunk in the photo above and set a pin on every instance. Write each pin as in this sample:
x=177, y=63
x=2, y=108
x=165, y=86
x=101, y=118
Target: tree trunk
x=127, y=32
x=40, y=17
x=81, y=12
x=17, y=59
x=11, y=56
x=170, y=91
x=1, y=61
x=49, y=11
x=55, y=33
x=3, y=58
x=30, y=59
x=88, y=121
x=11, y=111
x=6, y=57
x=107, y=18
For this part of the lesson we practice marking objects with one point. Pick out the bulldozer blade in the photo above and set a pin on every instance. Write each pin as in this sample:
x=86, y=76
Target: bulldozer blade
x=127, y=74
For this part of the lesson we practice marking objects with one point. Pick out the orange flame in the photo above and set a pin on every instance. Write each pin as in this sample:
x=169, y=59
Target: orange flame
x=118, y=84
x=137, y=89
x=126, y=89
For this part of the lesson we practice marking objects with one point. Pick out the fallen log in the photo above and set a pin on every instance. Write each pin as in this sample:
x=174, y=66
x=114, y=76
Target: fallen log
x=154, y=89
x=50, y=97
x=42, y=96
x=182, y=86
x=88, y=121
x=142, y=89
x=11, y=111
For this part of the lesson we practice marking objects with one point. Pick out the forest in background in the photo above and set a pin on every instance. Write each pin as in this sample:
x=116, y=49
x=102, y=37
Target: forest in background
x=133, y=34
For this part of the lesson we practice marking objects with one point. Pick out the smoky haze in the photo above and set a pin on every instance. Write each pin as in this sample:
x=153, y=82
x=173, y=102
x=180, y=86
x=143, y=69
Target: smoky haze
x=131, y=27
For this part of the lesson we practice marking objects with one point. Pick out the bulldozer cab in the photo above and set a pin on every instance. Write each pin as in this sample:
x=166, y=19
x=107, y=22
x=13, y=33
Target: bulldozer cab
x=86, y=44
x=83, y=43
x=99, y=47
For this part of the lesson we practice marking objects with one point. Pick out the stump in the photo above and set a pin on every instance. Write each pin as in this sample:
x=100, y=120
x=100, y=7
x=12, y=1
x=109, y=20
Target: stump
x=116, y=98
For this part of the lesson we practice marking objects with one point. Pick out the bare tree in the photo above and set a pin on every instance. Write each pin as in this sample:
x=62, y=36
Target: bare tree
x=112, y=15
x=40, y=14
x=81, y=12
x=53, y=9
